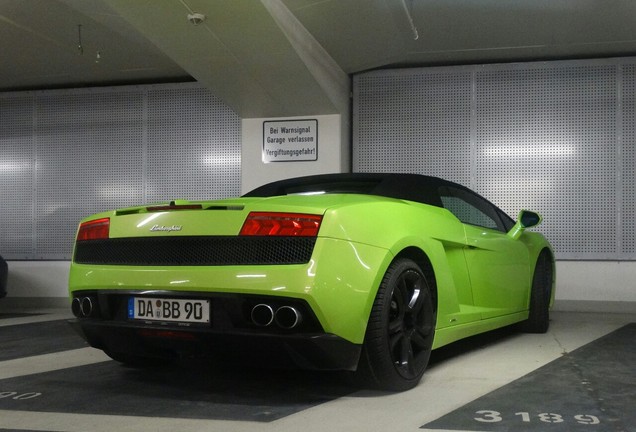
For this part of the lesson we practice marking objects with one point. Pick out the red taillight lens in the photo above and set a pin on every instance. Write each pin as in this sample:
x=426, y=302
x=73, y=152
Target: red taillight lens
x=281, y=224
x=94, y=230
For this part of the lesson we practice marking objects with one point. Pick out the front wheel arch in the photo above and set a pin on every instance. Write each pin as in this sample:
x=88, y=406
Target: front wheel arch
x=541, y=295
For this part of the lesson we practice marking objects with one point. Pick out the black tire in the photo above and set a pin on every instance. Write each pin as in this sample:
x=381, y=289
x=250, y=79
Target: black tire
x=399, y=337
x=539, y=316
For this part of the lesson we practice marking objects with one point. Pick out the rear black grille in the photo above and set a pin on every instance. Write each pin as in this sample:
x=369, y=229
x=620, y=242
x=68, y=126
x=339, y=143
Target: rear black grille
x=195, y=251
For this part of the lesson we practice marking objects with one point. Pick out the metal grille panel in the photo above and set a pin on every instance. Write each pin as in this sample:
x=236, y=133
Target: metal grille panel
x=66, y=154
x=628, y=122
x=196, y=251
x=88, y=161
x=413, y=122
x=540, y=133
x=556, y=137
x=16, y=177
x=193, y=146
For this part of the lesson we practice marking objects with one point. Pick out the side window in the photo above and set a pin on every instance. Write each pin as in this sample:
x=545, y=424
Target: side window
x=471, y=209
x=507, y=221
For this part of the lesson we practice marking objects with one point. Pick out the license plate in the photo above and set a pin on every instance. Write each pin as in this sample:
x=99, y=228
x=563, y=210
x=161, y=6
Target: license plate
x=171, y=310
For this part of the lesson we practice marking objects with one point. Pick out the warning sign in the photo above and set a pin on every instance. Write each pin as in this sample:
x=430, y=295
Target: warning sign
x=290, y=140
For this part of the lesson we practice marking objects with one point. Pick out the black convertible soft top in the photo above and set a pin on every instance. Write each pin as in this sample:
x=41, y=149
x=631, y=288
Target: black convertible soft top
x=412, y=187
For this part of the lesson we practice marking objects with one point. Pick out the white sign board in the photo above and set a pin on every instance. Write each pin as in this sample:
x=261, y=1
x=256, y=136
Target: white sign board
x=290, y=140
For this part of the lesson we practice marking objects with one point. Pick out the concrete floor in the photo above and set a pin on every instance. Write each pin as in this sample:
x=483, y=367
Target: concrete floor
x=457, y=375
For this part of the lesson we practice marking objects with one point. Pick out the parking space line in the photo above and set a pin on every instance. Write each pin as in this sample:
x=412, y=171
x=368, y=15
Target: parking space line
x=34, y=318
x=47, y=421
x=50, y=362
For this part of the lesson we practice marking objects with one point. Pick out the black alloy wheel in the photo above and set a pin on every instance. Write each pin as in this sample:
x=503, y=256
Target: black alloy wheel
x=401, y=328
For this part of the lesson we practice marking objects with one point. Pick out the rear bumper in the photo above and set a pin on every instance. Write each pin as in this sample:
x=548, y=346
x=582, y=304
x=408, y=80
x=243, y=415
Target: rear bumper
x=306, y=351
x=338, y=283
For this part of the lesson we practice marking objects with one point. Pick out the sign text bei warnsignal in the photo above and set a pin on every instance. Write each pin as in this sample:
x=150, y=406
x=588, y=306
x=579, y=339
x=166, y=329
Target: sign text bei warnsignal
x=290, y=140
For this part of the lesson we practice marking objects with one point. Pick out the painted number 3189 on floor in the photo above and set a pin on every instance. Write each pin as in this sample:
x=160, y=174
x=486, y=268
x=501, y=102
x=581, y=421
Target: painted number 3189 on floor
x=173, y=310
x=488, y=416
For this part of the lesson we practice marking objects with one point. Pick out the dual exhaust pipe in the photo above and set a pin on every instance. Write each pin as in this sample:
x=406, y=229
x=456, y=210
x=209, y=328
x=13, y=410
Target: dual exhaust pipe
x=285, y=317
x=83, y=307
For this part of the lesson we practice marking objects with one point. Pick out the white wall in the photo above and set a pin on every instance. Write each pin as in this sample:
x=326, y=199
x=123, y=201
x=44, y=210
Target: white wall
x=596, y=286
x=36, y=284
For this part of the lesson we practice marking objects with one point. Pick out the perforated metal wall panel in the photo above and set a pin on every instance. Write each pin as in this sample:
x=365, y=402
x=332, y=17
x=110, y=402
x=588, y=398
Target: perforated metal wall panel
x=89, y=159
x=628, y=155
x=193, y=146
x=67, y=154
x=413, y=121
x=556, y=137
x=546, y=140
x=16, y=177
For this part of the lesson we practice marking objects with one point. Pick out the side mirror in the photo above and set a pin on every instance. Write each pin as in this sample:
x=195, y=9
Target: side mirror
x=526, y=219
x=529, y=219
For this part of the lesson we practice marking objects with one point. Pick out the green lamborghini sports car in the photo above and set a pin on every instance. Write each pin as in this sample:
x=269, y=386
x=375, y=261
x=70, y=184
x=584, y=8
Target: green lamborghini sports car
x=358, y=272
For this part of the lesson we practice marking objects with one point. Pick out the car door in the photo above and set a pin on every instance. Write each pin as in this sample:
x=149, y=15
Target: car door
x=497, y=264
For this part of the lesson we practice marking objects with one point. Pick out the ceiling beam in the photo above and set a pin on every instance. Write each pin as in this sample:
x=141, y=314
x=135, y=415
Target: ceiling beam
x=241, y=53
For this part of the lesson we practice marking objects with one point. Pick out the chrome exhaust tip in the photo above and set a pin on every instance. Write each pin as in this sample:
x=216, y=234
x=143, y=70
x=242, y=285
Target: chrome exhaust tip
x=76, y=307
x=288, y=317
x=86, y=306
x=262, y=315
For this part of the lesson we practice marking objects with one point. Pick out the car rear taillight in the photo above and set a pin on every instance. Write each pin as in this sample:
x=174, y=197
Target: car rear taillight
x=281, y=224
x=94, y=230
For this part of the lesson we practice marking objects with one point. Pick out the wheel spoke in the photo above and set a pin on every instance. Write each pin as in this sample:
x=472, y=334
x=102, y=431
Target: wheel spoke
x=397, y=342
x=419, y=299
x=396, y=326
x=402, y=352
x=394, y=340
x=414, y=297
x=418, y=337
x=405, y=351
x=397, y=309
x=401, y=294
x=409, y=365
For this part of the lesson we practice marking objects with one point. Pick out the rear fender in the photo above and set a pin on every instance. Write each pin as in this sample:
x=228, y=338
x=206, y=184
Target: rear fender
x=447, y=272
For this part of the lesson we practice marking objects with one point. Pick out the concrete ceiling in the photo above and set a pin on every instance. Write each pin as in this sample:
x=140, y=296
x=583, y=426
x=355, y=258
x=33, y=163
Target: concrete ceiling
x=277, y=57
